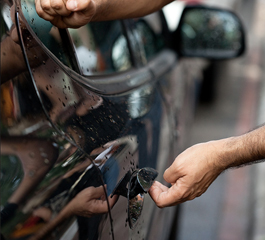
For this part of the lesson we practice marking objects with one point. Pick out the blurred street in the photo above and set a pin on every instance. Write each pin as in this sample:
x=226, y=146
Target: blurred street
x=233, y=208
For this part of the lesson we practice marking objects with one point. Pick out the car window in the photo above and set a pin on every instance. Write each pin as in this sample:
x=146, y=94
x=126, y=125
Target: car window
x=49, y=35
x=101, y=48
x=5, y=20
x=149, y=31
x=96, y=48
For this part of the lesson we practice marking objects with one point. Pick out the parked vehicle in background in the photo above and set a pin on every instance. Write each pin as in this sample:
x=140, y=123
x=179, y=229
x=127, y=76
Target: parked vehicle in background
x=109, y=103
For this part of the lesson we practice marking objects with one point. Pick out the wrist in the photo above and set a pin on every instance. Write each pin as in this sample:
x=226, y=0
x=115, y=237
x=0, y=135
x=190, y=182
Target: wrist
x=232, y=152
x=100, y=9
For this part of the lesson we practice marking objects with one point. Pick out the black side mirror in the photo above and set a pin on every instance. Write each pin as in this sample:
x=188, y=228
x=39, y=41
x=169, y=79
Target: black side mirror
x=210, y=33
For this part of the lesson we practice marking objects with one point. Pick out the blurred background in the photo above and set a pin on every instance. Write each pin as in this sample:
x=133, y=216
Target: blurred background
x=233, y=208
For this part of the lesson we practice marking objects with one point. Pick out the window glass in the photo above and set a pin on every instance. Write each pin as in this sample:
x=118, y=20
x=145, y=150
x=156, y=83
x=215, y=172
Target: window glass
x=98, y=47
x=149, y=31
x=49, y=35
x=5, y=20
x=101, y=48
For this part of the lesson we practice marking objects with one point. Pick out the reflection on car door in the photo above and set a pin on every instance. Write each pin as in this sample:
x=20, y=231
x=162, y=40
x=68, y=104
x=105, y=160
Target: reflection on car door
x=95, y=104
x=167, y=125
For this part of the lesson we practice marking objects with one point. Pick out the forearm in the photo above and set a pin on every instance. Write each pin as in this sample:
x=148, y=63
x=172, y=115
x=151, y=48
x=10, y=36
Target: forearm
x=76, y=13
x=121, y=9
x=242, y=150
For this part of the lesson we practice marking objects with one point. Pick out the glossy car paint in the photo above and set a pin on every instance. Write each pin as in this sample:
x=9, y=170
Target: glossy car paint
x=67, y=124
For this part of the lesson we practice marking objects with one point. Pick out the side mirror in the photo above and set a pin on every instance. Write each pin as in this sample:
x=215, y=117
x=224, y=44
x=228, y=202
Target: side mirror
x=210, y=33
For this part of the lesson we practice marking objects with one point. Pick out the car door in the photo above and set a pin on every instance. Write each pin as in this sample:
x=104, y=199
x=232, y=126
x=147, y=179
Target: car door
x=103, y=104
x=44, y=160
x=75, y=119
x=167, y=124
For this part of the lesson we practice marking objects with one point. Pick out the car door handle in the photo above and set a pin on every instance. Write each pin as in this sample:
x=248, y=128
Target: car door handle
x=136, y=182
x=133, y=186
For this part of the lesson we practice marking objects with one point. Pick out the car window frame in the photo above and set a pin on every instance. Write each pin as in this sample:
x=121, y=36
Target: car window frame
x=164, y=59
x=111, y=83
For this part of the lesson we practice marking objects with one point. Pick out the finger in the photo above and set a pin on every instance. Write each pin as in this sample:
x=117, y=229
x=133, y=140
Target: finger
x=13, y=34
x=112, y=200
x=79, y=5
x=171, y=175
x=45, y=14
x=47, y=8
x=159, y=185
x=96, y=192
x=78, y=19
x=156, y=189
x=103, y=196
x=59, y=7
x=12, y=14
x=100, y=206
x=171, y=197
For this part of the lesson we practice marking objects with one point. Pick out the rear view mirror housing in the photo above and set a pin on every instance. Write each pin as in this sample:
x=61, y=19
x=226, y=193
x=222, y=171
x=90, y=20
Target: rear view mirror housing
x=209, y=33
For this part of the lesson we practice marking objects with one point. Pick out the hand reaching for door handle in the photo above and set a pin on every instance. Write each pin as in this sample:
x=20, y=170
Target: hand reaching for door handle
x=196, y=168
x=190, y=175
x=89, y=202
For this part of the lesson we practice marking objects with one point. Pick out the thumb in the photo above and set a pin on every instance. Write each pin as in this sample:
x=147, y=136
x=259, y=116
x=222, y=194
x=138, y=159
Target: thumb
x=164, y=196
x=97, y=192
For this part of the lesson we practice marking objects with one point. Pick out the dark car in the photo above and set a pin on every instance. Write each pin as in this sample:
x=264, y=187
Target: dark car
x=110, y=103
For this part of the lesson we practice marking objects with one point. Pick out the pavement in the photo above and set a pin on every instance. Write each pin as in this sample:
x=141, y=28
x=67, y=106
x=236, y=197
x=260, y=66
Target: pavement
x=257, y=74
x=259, y=193
x=233, y=208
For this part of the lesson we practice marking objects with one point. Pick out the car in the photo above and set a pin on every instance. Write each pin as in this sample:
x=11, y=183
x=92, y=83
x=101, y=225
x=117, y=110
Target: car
x=106, y=106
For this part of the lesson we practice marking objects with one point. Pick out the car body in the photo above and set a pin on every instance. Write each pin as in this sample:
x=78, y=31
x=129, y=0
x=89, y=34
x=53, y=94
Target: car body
x=108, y=103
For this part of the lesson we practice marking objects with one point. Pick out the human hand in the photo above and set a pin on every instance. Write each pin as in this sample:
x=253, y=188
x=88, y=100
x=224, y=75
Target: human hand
x=89, y=202
x=191, y=174
x=66, y=13
x=44, y=213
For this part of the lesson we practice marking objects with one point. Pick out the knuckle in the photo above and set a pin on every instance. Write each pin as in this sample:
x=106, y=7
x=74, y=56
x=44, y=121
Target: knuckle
x=40, y=11
x=191, y=197
x=45, y=6
x=182, y=194
x=160, y=204
x=202, y=191
x=56, y=4
x=42, y=14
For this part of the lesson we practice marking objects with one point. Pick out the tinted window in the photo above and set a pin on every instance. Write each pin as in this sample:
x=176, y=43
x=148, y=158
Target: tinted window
x=49, y=35
x=101, y=48
x=149, y=30
x=96, y=47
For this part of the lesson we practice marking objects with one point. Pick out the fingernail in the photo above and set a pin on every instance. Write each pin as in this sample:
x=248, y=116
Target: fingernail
x=72, y=5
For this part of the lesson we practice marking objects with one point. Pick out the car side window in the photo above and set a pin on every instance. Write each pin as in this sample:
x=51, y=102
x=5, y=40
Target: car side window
x=101, y=47
x=98, y=48
x=49, y=35
x=149, y=31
